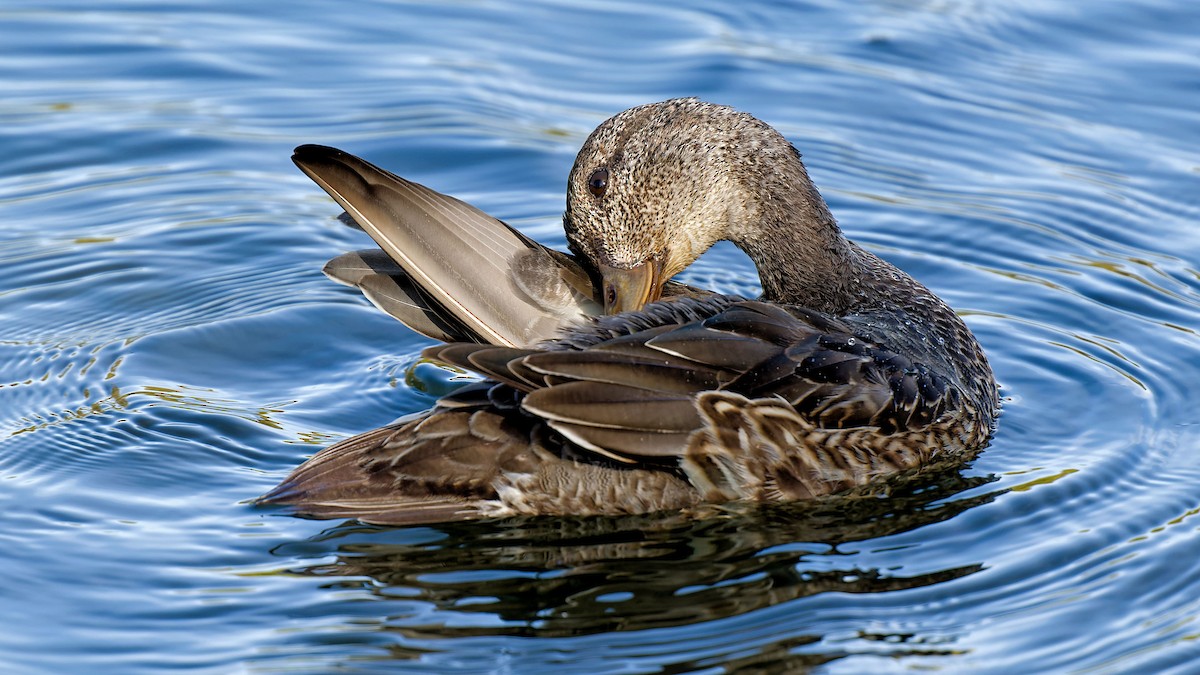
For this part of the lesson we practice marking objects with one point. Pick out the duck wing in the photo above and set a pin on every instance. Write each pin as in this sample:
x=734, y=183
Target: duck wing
x=382, y=281
x=747, y=400
x=757, y=401
x=714, y=398
x=459, y=273
x=634, y=397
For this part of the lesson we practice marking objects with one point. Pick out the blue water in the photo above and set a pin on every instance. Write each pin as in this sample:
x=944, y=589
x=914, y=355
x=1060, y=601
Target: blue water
x=169, y=348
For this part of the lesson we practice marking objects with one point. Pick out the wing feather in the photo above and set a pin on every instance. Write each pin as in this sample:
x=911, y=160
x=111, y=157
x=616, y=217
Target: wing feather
x=467, y=261
x=613, y=406
x=652, y=371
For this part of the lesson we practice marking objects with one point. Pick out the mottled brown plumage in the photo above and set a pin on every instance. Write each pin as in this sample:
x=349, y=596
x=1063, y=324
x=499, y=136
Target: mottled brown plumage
x=844, y=371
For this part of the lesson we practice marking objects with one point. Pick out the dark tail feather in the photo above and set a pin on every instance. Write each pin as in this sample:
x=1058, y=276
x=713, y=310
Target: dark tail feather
x=336, y=483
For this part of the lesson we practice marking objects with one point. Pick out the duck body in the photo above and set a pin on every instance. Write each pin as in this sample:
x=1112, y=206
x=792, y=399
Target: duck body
x=845, y=371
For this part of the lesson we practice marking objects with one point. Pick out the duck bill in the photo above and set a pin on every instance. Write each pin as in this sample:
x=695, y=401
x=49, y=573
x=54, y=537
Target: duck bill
x=628, y=290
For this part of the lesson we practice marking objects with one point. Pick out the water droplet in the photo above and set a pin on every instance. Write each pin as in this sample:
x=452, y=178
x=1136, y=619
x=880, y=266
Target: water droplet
x=850, y=342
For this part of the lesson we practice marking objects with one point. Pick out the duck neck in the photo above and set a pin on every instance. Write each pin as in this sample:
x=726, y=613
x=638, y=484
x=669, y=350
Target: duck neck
x=801, y=255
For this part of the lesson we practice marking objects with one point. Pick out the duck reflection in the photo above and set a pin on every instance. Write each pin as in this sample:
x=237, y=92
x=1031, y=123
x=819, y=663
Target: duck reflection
x=553, y=577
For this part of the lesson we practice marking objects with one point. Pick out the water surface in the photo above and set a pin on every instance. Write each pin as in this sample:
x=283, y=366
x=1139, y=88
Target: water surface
x=169, y=348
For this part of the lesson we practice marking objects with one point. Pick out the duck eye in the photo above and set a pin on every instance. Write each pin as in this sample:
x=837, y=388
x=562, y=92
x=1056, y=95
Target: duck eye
x=598, y=182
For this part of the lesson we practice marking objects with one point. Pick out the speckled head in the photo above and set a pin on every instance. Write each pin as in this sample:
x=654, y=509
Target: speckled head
x=657, y=185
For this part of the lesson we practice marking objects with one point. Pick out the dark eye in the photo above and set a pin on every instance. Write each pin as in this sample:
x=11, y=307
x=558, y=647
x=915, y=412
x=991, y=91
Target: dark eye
x=598, y=182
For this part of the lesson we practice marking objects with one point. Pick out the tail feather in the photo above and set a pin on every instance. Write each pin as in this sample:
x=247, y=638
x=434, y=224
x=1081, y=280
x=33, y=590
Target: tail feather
x=338, y=483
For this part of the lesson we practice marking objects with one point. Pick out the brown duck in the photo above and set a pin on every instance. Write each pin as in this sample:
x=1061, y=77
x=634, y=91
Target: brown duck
x=846, y=370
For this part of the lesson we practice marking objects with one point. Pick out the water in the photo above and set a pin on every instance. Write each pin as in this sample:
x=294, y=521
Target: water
x=169, y=348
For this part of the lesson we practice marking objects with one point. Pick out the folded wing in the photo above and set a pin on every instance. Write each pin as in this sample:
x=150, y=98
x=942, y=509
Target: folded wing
x=633, y=398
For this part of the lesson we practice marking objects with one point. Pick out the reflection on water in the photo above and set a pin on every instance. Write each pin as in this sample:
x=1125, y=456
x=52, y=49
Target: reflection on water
x=548, y=577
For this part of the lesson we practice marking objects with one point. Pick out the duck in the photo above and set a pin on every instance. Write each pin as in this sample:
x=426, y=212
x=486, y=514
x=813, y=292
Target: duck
x=605, y=386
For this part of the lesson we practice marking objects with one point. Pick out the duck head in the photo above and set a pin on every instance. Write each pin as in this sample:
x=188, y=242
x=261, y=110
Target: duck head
x=657, y=185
